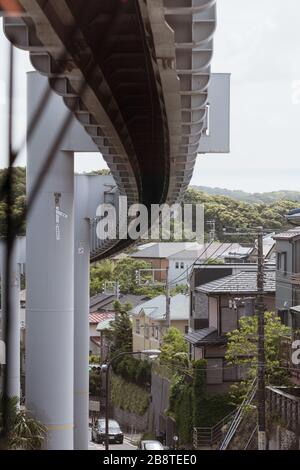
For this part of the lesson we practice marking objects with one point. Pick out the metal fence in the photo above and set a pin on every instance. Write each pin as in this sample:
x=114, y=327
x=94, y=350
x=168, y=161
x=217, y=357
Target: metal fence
x=211, y=436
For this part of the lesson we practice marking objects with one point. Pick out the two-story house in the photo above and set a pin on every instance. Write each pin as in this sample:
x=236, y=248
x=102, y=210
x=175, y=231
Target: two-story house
x=217, y=307
x=157, y=255
x=288, y=276
x=149, y=320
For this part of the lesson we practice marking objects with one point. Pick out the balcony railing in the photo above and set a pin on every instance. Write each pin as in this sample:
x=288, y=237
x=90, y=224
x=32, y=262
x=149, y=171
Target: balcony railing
x=284, y=403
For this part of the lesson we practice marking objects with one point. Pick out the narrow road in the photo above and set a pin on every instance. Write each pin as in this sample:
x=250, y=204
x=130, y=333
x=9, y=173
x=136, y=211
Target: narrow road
x=125, y=446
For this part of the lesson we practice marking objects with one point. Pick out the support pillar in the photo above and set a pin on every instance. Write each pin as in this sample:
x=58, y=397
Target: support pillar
x=50, y=276
x=13, y=339
x=81, y=314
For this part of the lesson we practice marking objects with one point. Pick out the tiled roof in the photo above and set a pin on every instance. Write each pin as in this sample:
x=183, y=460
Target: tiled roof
x=205, y=336
x=106, y=301
x=98, y=317
x=243, y=282
x=288, y=235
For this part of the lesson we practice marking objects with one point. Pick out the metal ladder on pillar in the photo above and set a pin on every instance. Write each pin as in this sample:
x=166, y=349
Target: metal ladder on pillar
x=234, y=425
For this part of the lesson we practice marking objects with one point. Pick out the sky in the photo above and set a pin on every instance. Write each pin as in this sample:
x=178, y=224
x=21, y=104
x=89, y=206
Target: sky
x=258, y=42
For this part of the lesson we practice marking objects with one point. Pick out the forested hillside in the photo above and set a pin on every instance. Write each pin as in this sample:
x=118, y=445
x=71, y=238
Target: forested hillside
x=226, y=211
x=239, y=195
x=232, y=214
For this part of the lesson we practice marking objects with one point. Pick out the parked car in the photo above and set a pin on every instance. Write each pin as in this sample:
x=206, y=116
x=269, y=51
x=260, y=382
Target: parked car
x=151, y=445
x=114, y=432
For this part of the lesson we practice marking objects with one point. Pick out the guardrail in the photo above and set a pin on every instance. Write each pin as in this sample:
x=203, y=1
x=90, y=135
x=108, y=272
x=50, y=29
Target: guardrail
x=210, y=436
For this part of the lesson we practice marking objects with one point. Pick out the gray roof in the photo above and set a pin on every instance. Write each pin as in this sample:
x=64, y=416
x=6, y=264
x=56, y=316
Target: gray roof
x=160, y=250
x=205, y=336
x=244, y=282
x=215, y=250
x=156, y=307
x=288, y=235
x=295, y=309
x=106, y=301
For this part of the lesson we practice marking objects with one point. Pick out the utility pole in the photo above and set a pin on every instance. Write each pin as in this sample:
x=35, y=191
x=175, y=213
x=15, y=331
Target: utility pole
x=168, y=299
x=261, y=391
x=261, y=345
x=212, y=232
x=117, y=290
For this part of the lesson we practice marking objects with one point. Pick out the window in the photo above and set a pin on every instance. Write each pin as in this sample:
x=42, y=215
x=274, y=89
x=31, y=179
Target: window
x=146, y=331
x=181, y=265
x=177, y=265
x=156, y=331
x=137, y=327
x=282, y=261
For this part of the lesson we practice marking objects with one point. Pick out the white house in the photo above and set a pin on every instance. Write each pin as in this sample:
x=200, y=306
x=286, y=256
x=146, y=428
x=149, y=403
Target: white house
x=181, y=263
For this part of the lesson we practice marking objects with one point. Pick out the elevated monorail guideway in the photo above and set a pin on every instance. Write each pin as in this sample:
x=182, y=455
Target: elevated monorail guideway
x=145, y=66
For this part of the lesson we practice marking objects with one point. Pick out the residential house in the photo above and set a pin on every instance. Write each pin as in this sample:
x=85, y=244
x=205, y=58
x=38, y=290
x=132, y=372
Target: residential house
x=288, y=276
x=238, y=254
x=157, y=255
x=269, y=249
x=96, y=318
x=182, y=262
x=149, y=320
x=216, y=309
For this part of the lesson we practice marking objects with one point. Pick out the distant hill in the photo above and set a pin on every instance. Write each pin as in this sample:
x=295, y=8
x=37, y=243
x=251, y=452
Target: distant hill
x=259, y=198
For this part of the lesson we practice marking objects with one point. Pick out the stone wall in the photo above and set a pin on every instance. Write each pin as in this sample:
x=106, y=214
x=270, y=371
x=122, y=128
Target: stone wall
x=131, y=422
x=281, y=438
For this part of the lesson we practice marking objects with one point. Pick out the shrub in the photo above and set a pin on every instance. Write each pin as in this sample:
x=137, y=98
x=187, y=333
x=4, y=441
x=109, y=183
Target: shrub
x=134, y=370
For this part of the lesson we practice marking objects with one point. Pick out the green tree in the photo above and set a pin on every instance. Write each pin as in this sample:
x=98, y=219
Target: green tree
x=125, y=273
x=101, y=272
x=120, y=332
x=174, y=349
x=242, y=351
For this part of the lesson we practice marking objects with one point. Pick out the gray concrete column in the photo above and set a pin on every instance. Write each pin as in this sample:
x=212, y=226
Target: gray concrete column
x=50, y=276
x=81, y=314
x=13, y=339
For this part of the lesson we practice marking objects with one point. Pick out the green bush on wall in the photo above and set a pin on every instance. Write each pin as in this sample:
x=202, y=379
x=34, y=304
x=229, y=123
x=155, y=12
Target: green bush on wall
x=181, y=408
x=191, y=406
x=128, y=396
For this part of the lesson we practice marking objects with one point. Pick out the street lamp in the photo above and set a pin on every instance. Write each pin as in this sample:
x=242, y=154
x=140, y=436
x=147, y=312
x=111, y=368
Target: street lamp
x=151, y=353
